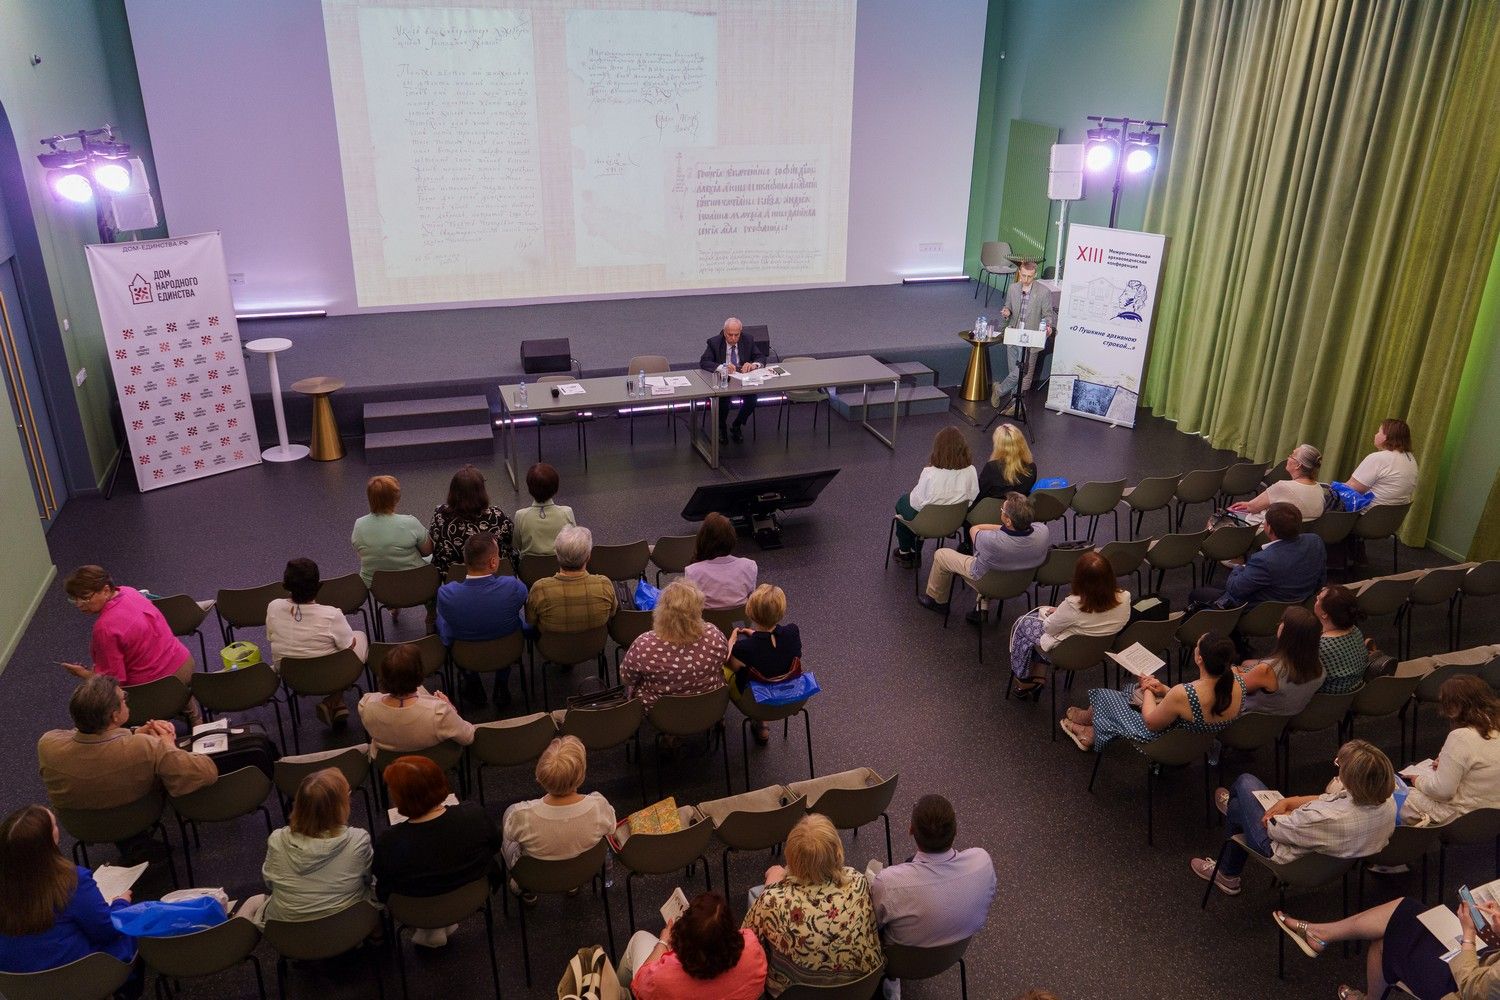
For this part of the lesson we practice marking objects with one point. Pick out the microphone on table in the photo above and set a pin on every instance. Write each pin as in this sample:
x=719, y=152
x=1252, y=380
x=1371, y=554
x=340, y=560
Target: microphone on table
x=555, y=392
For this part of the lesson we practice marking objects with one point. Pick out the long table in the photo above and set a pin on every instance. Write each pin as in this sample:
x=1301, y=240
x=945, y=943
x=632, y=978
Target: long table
x=608, y=393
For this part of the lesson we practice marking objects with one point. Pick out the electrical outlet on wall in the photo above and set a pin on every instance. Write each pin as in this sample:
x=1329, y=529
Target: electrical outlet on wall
x=929, y=248
x=80, y=376
x=237, y=279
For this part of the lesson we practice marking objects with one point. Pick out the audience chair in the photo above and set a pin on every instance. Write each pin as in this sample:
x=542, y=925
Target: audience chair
x=458, y=572
x=1094, y=499
x=648, y=364
x=1333, y=526
x=535, y=567
x=510, y=743
x=994, y=264
x=567, y=649
x=1125, y=558
x=288, y=772
x=1249, y=733
x=621, y=563
x=753, y=712
x=163, y=698
x=1380, y=522
x=1378, y=698
x=1155, y=636
x=1052, y=505
x=850, y=799
x=434, y=657
x=402, y=588
x=240, y=690
x=725, y=619
x=605, y=728
x=1174, y=748
x=664, y=853
x=110, y=826
x=818, y=398
x=1438, y=586
x=1407, y=846
x=317, y=676
x=580, y=419
x=1175, y=552
x=1275, y=474
x=448, y=755
x=672, y=553
x=1384, y=596
x=1193, y=626
x=434, y=912
x=1227, y=541
x=691, y=715
x=1482, y=580
x=1057, y=571
x=1323, y=712
x=998, y=586
x=245, y=608
x=1311, y=871
x=1067, y=659
x=753, y=821
x=238, y=793
x=492, y=656
x=1476, y=827
x=349, y=594
x=203, y=953
x=534, y=875
x=1154, y=493
x=985, y=511
x=862, y=989
x=625, y=627
x=96, y=974
x=1241, y=479
x=937, y=521
x=906, y=962
x=1262, y=620
x=327, y=937
x=1428, y=686
x=185, y=617
x=1195, y=487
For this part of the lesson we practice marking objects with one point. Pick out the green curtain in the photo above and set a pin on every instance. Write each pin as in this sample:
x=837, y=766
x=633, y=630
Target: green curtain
x=1330, y=200
x=1486, y=544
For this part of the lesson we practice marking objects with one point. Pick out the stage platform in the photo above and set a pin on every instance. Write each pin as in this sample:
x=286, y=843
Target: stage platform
x=410, y=355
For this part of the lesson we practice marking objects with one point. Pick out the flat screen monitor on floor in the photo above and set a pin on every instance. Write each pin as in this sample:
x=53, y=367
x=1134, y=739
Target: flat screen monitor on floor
x=757, y=501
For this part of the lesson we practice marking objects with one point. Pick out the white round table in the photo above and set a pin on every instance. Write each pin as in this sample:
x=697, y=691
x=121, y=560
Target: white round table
x=283, y=452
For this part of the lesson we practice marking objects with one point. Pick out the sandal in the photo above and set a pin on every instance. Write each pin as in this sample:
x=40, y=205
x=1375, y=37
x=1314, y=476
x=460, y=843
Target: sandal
x=1221, y=800
x=1074, y=734
x=1350, y=993
x=1312, y=946
x=1075, y=715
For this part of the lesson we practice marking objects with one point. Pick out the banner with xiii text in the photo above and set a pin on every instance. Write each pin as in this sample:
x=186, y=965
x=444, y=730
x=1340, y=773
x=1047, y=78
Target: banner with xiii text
x=1109, y=288
x=174, y=349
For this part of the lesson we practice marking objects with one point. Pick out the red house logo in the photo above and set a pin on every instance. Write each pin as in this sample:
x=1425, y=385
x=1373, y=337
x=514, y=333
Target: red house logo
x=140, y=291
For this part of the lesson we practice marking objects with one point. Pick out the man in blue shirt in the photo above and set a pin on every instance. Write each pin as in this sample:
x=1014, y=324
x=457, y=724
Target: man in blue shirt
x=1291, y=567
x=479, y=608
x=1015, y=543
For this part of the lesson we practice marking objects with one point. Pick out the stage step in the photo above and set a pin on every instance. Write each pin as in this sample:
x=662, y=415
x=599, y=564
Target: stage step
x=913, y=372
x=447, y=427
x=914, y=399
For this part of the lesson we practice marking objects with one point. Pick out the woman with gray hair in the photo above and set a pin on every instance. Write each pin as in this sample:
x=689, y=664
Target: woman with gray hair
x=1302, y=490
x=574, y=600
x=681, y=655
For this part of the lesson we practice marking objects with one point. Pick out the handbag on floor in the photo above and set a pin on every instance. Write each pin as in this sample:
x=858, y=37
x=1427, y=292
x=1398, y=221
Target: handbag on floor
x=599, y=697
x=590, y=976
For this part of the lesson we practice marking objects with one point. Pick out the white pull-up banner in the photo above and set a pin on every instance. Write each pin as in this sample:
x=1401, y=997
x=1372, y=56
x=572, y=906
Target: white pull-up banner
x=174, y=349
x=1108, y=291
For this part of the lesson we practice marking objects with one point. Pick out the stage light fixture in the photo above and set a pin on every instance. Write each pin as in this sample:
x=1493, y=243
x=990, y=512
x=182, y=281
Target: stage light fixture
x=112, y=176
x=71, y=185
x=1101, y=149
x=91, y=166
x=1123, y=147
x=1140, y=152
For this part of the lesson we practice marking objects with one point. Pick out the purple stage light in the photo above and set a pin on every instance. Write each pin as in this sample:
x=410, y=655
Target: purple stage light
x=112, y=177
x=73, y=187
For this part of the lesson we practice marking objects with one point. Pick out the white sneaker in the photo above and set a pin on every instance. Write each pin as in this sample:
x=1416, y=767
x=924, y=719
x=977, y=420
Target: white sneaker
x=432, y=938
x=891, y=988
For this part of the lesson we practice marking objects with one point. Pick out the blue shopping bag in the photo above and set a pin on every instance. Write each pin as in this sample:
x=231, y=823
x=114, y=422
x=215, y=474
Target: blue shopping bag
x=786, y=692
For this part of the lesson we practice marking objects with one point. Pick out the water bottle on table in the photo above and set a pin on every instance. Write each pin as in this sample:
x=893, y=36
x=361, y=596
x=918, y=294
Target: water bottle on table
x=521, y=395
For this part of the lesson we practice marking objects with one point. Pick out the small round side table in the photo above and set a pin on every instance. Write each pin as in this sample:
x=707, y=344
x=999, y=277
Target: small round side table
x=327, y=445
x=285, y=451
x=976, y=384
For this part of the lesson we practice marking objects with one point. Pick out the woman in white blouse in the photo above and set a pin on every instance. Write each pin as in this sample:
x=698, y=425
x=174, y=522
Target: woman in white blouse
x=948, y=478
x=1301, y=491
x=563, y=823
x=1467, y=773
x=1094, y=607
x=1389, y=472
x=402, y=716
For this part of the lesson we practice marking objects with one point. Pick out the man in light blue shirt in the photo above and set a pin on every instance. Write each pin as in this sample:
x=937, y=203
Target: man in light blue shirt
x=941, y=895
x=1013, y=544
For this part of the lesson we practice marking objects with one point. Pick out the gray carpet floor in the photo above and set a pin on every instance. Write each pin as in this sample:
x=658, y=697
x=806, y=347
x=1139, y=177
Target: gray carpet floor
x=1084, y=908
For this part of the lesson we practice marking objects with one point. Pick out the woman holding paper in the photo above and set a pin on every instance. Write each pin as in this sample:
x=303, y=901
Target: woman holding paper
x=1404, y=950
x=701, y=955
x=1466, y=774
x=1093, y=607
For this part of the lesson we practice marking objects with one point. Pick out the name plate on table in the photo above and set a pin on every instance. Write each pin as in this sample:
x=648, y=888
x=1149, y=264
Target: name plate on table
x=1016, y=336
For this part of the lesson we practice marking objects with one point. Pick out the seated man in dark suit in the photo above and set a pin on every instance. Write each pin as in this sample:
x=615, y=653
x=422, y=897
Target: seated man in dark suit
x=1291, y=567
x=481, y=607
x=731, y=346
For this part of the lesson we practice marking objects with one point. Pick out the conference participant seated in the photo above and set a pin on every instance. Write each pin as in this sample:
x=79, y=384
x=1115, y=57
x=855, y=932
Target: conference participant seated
x=1402, y=950
x=51, y=911
x=1284, y=682
x=1390, y=471
x=100, y=764
x=1205, y=705
x=1027, y=305
x=941, y=895
x=317, y=865
x=1291, y=566
x=438, y=847
x=402, y=716
x=131, y=641
x=299, y=627
x=769, y=650
x=701, y=955
x=1466, y=775
x=815, y=918
x=386, y=540
x=1341, y=647
x=1013, y=544
x=536, y=527
x=681, y=655
x=481, y=607
x=948, y=478
x=467, y=511
x=725, y=579
x=1354, y=819
x=563, y=823
x=1093, y=607
x=1011, y=469
x=735, y=351
x=573, y=600
x=1302, y=490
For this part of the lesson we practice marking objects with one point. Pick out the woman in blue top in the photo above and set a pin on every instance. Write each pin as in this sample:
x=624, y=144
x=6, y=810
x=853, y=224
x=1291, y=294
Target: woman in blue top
x=1206, y=705
x=51, y=912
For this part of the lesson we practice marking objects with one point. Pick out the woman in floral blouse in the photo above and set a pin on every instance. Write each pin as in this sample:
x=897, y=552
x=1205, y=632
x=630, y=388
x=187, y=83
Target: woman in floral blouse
x=815, y=917
x=467, y=512
x=681, y=655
